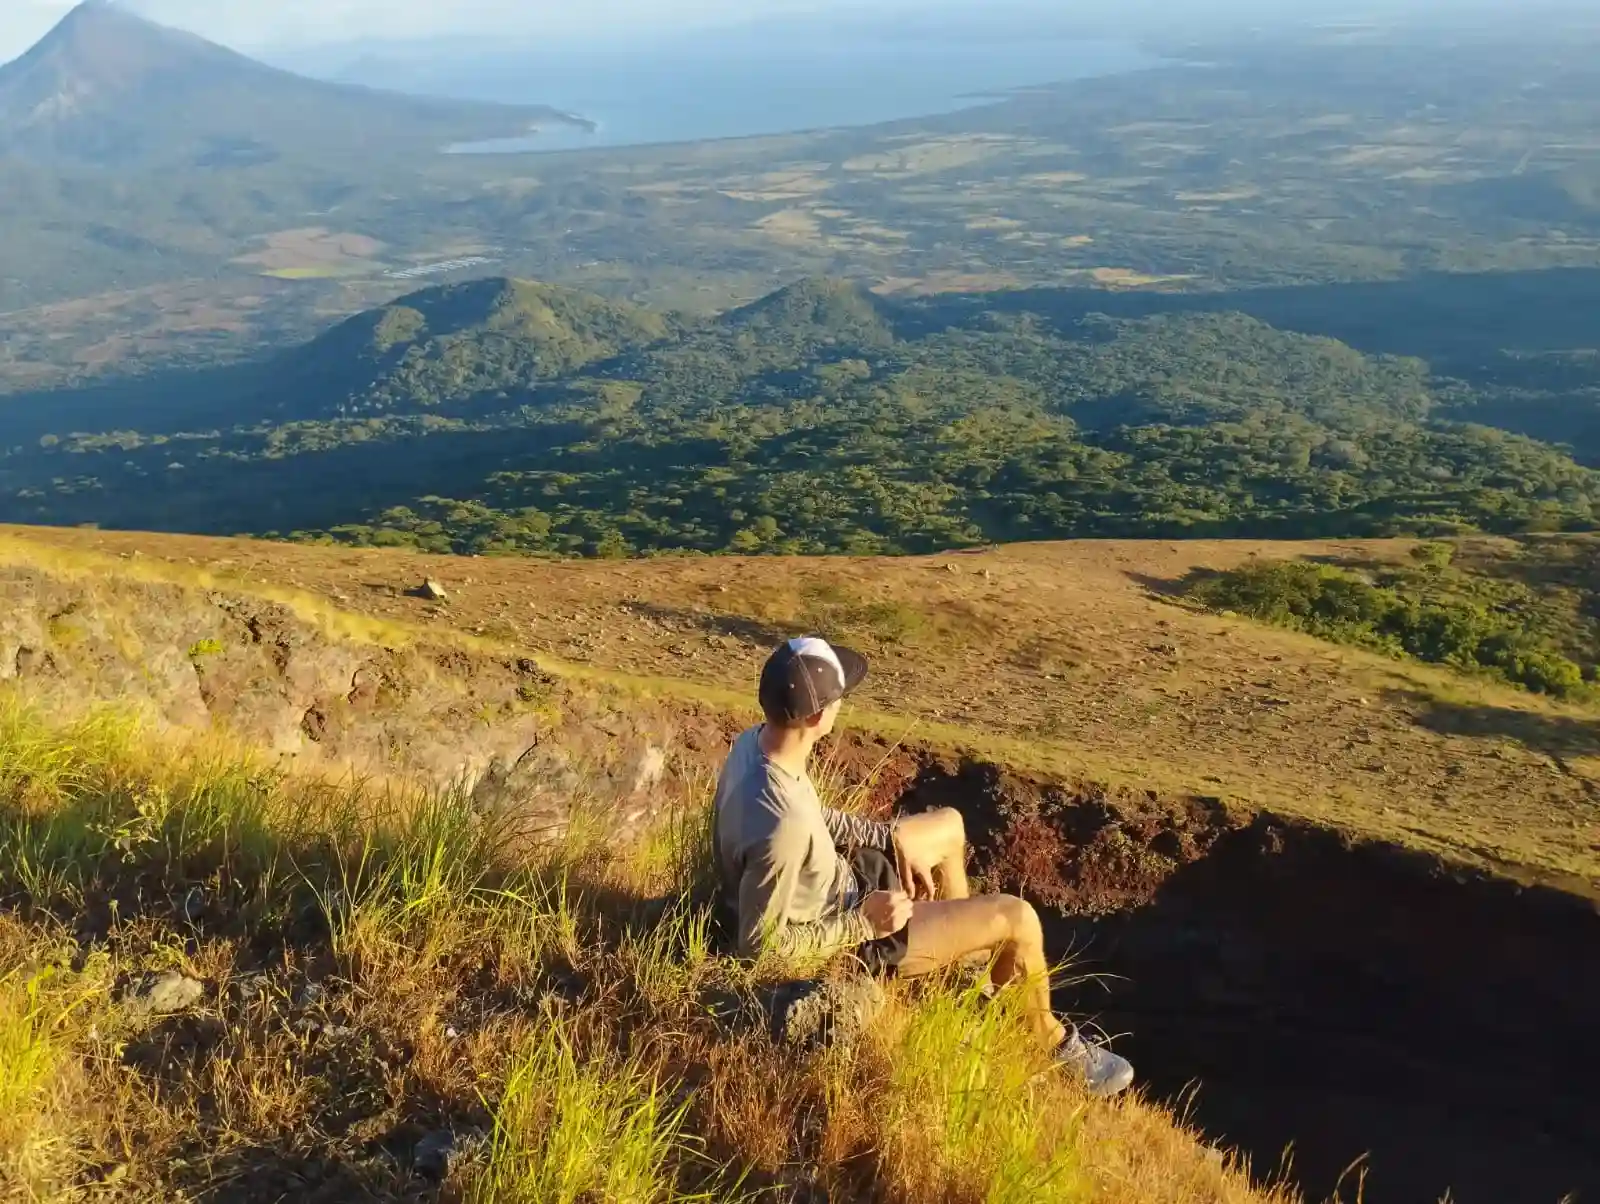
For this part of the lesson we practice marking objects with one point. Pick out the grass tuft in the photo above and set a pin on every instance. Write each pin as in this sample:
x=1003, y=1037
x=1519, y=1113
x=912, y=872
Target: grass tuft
x=45, y=1015
x=568, y=1132
x=972, y=1107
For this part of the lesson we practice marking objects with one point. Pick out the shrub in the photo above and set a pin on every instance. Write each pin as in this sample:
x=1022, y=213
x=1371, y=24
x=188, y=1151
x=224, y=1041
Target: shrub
x=1407, y=615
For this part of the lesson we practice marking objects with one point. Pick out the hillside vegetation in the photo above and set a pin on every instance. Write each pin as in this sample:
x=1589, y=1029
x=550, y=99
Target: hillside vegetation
x=1503, y=628
x=512, y=417
x=265, y=975
x=218, y=978
x=1292, y=158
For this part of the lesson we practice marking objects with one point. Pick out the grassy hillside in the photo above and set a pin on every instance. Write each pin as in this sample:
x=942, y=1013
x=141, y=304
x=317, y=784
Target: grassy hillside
x=369, y=970
x=228, y=971
x=1067, y=658
x=512, y=417
x=298, y=973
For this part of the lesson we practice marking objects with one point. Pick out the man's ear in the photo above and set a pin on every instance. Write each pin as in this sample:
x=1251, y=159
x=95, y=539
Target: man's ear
x=815, y=720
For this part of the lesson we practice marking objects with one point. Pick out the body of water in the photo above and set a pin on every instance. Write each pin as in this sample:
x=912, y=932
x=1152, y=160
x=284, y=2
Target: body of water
x=732, y=87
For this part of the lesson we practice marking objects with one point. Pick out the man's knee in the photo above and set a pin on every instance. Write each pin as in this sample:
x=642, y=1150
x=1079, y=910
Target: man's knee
x=937, y=833
x=1022, y=921
x=952, y=828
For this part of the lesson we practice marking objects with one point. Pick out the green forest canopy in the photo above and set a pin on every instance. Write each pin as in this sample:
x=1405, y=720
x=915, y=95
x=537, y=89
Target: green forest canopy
x=517, y=418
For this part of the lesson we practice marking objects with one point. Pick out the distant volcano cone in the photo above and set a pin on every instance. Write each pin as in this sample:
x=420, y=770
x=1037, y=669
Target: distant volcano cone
x=108, y=87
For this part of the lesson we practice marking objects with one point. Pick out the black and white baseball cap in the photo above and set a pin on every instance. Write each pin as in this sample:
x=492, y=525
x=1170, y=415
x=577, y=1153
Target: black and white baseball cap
x=806, y=676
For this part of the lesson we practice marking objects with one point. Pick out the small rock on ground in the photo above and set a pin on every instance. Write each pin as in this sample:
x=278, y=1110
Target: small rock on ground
x=651, y=768
x=309, y=995
x=164, y=994
x=437, y=1152
x=813, y=1014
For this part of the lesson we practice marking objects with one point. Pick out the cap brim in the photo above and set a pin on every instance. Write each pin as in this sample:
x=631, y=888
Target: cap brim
x=854, y=666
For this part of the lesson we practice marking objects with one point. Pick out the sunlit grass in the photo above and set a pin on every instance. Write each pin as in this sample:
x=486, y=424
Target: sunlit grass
x=973, y=1106
x=310, y=273
x=44, y=1016
x=565, y=997
x=569, y=1131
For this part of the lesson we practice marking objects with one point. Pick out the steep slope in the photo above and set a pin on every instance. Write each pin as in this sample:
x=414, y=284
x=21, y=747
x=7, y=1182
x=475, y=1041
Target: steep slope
x=109, y=88
x=1047, y=655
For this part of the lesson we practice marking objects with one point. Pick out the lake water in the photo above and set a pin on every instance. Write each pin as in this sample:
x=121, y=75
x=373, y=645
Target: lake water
x=732, y=88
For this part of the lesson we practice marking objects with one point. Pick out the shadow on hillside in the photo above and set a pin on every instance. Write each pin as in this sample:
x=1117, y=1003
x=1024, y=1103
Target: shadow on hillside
x=750, y=631
x=1553, y=735
x=1547, y=562
x=163, y=402
x=313, y=1176
x=1275, y=963
x=1167, y=588
x=1457, y=320
x=1520, y=330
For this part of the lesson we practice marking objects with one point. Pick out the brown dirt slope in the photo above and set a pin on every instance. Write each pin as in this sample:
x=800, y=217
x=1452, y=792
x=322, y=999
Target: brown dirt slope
x=1064, y=657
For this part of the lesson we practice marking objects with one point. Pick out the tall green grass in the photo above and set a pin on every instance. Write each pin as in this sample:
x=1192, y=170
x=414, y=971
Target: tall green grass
x=570, y=993
x=570, y=1131
x=973, y=1107
x=44, y=1016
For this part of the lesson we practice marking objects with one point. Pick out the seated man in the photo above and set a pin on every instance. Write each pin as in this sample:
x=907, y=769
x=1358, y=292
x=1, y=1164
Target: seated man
x=806, y=880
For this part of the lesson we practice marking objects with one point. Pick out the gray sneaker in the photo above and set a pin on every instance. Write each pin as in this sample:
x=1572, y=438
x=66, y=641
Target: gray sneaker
x=1103, y=1072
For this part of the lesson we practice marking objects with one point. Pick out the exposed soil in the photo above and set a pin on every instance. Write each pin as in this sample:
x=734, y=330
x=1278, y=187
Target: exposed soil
x=1430, y=1028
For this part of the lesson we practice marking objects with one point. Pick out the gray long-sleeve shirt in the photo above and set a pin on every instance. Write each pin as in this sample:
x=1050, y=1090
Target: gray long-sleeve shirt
x=780, y=861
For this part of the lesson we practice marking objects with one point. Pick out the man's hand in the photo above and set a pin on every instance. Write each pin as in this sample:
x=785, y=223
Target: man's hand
x=916, y=871
x=887, y=911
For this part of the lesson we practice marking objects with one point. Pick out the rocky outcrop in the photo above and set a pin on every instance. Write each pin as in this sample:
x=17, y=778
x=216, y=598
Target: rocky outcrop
x=368, y=699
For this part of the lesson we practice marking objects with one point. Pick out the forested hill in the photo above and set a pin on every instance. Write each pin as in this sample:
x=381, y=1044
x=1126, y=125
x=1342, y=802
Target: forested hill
x=454, y=344
x=508, y=416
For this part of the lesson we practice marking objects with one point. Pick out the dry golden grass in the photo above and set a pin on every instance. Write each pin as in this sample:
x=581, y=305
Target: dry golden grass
x=313, y=248
x=947, y=282
x=791, y=184
x=376, y=969
x=791, y=225
x=1052, y=178
x=1128, y=278
x=1230, y=194
x=1058, y=657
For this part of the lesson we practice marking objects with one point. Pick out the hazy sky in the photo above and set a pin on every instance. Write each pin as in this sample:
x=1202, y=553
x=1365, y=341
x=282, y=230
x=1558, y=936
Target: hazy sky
x=260, y=24
x=248, y=23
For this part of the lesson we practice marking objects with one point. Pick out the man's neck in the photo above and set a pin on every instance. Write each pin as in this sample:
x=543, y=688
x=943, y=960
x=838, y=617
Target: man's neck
x=787, y=748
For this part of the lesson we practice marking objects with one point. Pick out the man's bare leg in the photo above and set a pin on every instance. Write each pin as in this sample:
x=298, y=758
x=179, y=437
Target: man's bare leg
x=938, y=838
x=942, y=932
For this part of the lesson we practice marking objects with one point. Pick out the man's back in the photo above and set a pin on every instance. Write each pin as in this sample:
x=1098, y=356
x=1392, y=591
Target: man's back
x=778, y=860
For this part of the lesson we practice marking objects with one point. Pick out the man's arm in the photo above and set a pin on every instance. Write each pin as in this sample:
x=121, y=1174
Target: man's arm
x=765, y=893
x=854, y=832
